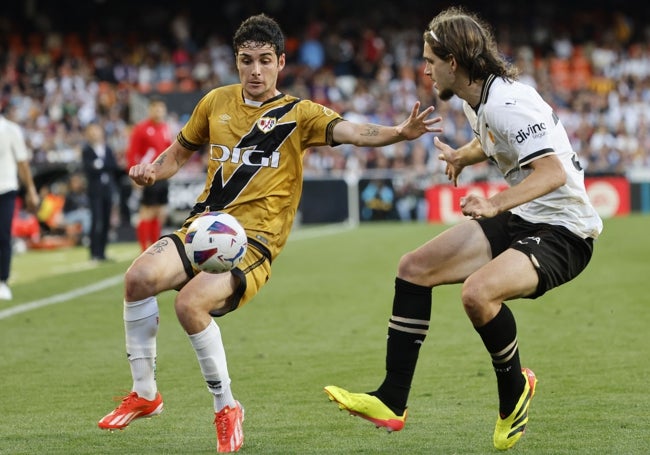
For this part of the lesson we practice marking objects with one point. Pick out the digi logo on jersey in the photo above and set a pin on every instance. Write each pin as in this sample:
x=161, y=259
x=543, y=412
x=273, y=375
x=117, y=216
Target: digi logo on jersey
x=247, y=156
x=536, y=130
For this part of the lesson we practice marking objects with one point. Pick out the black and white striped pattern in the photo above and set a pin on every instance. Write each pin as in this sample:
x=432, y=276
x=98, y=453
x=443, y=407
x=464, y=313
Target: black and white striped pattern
x=505, y=355
x=409, y=325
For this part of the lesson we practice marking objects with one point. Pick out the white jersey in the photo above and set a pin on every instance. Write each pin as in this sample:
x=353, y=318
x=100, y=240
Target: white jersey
x=12, y=150
x=515, y=127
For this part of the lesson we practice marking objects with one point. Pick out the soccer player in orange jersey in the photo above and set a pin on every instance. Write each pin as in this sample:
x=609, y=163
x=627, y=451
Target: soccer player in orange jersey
x=256, y=137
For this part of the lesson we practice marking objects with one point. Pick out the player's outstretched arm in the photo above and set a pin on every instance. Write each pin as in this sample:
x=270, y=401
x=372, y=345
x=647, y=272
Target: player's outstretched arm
x=371, y=135
x=165, y=166
x=457, y=159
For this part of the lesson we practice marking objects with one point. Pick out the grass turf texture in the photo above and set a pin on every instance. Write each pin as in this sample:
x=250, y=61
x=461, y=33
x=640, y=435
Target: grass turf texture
x=322, y=320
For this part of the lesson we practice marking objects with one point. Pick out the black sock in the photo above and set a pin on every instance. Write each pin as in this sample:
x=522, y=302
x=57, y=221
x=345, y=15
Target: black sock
x=500, y=338
x=407, y=329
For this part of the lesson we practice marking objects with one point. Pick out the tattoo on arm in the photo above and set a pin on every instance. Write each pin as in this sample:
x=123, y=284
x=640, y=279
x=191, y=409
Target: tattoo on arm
x=161, y=159
x=371, y=130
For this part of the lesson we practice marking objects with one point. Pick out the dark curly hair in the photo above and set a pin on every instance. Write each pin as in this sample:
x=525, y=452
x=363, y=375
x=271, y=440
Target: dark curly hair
x=259, y=30
x=470, y=40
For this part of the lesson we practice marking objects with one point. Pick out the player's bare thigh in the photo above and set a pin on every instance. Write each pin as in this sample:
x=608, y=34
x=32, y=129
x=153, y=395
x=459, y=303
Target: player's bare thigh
x=450, y=257
x=509, y=276
x=159, y=268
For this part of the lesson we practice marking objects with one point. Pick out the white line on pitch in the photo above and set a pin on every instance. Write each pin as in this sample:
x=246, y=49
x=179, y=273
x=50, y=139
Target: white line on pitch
x=58, y=298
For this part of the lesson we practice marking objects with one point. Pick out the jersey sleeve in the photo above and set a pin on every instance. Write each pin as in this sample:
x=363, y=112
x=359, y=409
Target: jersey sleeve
x=528, y=130
x=196, y=131
x=318, y=122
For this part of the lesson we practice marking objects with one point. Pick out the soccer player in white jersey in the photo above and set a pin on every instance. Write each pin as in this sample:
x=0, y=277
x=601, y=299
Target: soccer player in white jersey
x=534, y=236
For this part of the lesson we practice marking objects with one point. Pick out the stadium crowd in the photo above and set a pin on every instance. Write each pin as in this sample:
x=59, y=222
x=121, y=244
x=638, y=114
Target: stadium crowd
x=593, y=64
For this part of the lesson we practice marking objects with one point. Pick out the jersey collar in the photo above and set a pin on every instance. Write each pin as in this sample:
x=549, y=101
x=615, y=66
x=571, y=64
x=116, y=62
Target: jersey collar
x=258, y=103
x=485, y=90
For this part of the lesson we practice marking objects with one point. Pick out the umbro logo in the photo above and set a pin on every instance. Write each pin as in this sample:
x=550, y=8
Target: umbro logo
x=224, y=118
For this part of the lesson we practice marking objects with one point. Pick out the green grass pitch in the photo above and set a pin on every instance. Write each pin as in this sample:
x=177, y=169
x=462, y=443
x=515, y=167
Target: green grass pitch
x=322, y=320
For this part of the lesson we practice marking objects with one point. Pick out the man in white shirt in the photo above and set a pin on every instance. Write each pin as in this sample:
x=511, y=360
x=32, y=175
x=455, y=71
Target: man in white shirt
x=14, y=165
x=520, y=243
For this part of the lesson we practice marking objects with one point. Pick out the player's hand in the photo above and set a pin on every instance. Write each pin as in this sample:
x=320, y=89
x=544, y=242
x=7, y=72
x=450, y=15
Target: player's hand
x=418, y=123
x=451, y=157
x=32, y=200
x=477, y=207
x=143, y=174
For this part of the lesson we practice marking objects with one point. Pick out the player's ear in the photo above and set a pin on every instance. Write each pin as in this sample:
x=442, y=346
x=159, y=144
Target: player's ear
x=281, y=61
x=452, y=62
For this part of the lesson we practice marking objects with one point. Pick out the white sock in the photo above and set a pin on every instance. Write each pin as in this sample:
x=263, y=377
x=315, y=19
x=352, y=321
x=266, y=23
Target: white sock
x=212, y=359
x=140, y=329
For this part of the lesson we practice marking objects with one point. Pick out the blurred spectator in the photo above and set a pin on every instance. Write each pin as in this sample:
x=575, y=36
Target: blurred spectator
x=76, y=210
x=50, y=212
x=377, y=200
x=100, y=168
x=311, y=51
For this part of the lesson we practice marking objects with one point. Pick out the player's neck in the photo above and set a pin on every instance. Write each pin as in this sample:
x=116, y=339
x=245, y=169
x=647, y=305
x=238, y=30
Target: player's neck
x=472, y=93
x=258, y=103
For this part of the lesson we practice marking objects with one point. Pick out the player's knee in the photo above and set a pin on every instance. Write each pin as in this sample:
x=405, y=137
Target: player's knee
x=470, y=296
x=476, y=301
x=409, y=269
x=139, y=282
x=189, y=312
x=182, y=305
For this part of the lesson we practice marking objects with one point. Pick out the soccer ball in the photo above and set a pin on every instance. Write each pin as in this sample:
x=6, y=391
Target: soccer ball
x=215, y=242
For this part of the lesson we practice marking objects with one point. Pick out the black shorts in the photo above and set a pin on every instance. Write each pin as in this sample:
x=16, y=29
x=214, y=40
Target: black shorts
x=557, y=254
x=156, y=194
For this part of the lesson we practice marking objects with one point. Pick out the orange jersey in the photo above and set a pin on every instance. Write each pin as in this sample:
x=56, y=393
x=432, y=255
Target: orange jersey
x=255, y=162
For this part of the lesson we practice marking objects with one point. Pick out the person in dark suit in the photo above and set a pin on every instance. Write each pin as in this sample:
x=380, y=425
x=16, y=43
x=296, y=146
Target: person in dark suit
x=100, y=167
